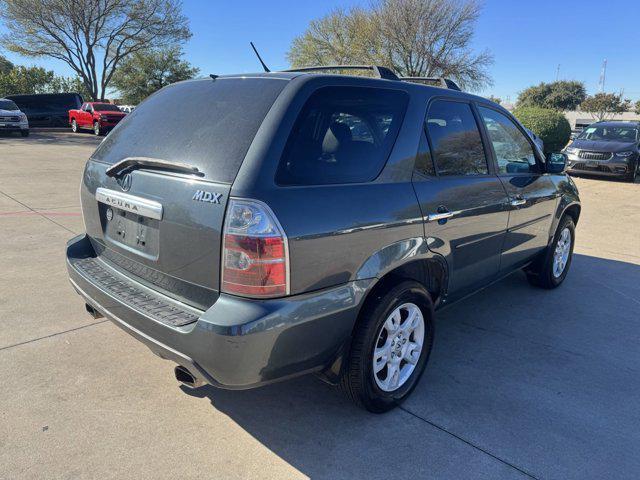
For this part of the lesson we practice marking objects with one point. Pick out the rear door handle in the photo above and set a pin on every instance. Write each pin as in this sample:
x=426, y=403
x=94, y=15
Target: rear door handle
x=518, y=201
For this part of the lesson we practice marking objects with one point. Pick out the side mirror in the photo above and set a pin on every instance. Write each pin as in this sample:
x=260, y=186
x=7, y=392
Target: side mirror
x=556, y=162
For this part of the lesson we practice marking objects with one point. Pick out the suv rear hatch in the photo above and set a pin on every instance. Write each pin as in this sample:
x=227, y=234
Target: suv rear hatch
x=160, y=225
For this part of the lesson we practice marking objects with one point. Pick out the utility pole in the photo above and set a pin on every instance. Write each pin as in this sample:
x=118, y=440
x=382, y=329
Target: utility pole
x=558, y=73
x=603, y=75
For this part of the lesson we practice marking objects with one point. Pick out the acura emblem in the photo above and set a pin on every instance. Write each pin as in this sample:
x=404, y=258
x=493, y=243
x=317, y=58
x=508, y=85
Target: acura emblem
x=125, y=182
x=109, y=214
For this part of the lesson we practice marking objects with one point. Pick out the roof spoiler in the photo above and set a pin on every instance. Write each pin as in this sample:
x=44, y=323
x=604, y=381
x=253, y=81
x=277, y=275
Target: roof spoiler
x=378, y=71
x=433, y=82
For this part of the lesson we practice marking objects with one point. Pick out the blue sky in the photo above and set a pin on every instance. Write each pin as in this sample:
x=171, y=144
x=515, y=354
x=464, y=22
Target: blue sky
x=527, y=38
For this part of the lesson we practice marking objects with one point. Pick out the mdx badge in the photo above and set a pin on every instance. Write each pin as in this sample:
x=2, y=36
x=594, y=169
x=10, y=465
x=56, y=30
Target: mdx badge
x=208, y=197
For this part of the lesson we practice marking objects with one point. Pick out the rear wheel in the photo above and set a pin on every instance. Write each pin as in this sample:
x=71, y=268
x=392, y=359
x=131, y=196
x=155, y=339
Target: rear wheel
x=390, y=348
x=96, y=129
x=552, y=268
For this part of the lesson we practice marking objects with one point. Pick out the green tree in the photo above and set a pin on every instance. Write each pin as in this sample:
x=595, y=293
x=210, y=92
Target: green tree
x=561, y=95
x=550, y=125
x=5, y=65
x=146, y=72
x=31, y=80
x=493, y=99
x=92, y=37
x=603, y=106
x=637, y=107
x=413, y=37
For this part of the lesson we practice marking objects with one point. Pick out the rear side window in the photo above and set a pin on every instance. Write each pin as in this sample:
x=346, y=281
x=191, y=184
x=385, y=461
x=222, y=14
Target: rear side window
x=342, y=135
x=455, y=139
x=209, y=124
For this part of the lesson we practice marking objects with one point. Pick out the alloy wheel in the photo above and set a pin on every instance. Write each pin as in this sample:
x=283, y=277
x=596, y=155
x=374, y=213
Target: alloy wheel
x=562, y=252
x=398, y=347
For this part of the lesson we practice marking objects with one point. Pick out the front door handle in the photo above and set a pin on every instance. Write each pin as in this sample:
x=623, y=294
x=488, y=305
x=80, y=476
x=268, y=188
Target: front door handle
x=518, y=201
x=436, y=217
x=442, y=215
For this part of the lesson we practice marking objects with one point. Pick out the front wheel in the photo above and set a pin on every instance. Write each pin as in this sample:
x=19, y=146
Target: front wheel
x=74, y=126
x=24, y=133
x=553, y=267
x=96, y=129
x=634, y=173
x=390, y=348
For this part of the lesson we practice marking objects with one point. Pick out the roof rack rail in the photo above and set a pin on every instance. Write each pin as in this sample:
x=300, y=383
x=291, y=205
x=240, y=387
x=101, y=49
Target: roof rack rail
x=433, y=82
x=379, y=71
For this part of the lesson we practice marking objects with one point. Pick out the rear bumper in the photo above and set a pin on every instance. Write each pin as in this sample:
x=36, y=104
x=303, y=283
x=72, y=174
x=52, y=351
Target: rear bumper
x=237, y=343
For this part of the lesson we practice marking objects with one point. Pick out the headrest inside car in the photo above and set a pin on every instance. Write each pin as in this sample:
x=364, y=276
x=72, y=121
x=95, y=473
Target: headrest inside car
x=337, y=136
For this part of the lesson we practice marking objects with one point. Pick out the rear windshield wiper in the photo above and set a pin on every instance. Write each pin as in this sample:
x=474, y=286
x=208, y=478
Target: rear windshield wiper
x=131, y=163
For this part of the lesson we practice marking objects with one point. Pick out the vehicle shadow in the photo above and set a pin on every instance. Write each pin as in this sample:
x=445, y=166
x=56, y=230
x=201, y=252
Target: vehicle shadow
x=52, y=137
x=494, y=352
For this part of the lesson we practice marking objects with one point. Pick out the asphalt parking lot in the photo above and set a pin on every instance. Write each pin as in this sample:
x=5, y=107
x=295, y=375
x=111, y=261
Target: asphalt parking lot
x=523, y=383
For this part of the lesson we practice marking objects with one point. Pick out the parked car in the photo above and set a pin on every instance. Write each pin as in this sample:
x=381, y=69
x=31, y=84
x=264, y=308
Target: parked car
x=47, y=109
x=12, y=119
x=96, y=116
x=312, y=223
x=127, y=108
x=606, y=148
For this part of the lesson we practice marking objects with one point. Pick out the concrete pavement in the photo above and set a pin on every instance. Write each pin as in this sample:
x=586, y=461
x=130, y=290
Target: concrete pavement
x=523, y=383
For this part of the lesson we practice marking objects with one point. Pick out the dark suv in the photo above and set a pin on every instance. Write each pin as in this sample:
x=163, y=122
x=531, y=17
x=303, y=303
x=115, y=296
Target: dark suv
x=284, y=223
x=606, y=148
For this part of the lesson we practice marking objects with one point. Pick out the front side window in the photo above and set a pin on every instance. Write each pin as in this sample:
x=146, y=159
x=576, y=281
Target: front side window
x=513, y=151
x=342, y=135
x=455, y=139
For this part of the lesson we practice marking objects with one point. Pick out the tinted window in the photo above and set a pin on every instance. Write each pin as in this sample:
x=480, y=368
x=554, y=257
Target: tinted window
x=105, y=107
x=513, y=150
x=455, y=139
x=424, y=162
x=207, y=123
x=342, y=135
x=8, y=105
x=52, y=103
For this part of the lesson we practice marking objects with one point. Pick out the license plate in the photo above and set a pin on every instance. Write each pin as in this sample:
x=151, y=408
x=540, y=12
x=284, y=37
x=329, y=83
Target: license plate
x=132, y=231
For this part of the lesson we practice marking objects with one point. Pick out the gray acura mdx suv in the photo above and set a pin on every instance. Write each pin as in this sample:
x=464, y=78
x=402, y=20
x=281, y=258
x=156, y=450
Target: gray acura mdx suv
x=252, y=228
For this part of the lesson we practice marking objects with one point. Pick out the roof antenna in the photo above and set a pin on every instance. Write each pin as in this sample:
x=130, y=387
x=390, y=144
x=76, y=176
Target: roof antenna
x=266, y=69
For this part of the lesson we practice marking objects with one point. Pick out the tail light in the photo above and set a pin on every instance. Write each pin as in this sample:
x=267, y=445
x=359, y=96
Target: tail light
x=255, y=254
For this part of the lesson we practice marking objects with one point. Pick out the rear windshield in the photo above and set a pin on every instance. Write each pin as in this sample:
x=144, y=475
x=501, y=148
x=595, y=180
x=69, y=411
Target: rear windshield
x=8, y=105
x=208, y=123
x=105, y=107
x=343, y=135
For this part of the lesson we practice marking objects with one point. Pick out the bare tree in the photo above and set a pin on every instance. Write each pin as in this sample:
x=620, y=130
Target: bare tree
x=413, y=37
x=91, y=36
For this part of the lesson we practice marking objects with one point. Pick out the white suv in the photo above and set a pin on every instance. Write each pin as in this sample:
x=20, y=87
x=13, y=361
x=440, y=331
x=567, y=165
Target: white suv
x=12, y=119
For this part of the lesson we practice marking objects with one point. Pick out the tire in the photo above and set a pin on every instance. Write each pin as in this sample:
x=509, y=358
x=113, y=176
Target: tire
x=24, y=133
x=96, y=129
x=544, y=274
x=74, y=126
x=359, y=381
x=634, y=174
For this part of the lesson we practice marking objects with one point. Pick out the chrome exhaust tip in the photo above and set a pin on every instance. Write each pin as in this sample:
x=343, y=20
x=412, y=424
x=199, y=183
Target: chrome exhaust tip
x=186, y=378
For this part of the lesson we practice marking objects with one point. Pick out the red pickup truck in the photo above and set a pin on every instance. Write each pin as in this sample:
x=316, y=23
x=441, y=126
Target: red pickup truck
x=97, y=116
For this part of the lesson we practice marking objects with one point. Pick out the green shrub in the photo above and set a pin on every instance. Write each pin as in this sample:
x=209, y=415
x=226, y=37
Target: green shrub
x=551, y=126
